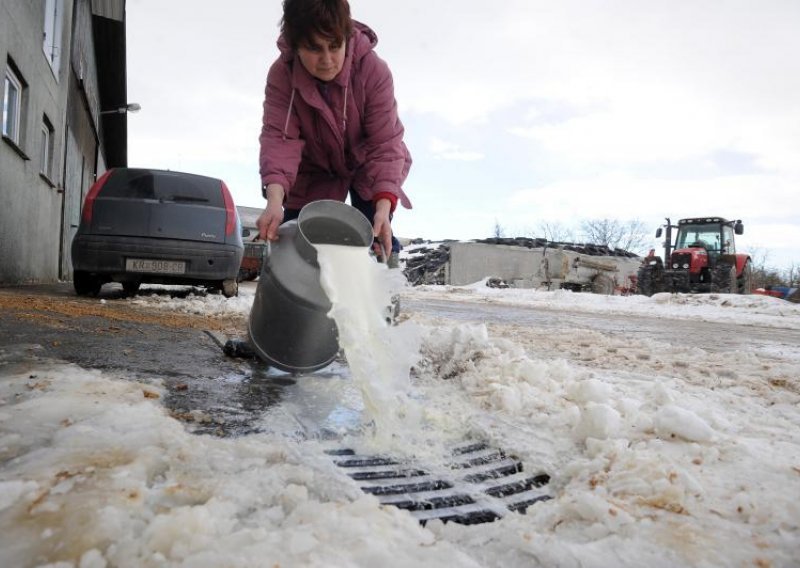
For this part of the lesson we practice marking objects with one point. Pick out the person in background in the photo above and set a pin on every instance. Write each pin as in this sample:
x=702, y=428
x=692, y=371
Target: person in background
x=330, y=124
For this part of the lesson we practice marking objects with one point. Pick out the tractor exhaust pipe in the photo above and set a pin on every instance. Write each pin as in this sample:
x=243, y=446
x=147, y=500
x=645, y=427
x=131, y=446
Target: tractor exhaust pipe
x=668, y=242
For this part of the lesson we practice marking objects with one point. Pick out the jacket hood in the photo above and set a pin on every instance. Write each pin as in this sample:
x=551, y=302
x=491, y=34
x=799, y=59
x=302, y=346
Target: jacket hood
x=309, y=146
x=361, y=41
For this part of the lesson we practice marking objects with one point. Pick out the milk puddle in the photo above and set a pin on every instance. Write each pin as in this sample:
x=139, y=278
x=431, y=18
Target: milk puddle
x=380, y=355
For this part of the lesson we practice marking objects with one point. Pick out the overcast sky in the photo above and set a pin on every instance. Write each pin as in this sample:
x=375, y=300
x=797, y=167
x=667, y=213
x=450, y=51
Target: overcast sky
x=520, y=112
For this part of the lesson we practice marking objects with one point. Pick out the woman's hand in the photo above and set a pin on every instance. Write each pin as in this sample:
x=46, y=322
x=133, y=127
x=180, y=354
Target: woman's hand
x=272, y=217
x=382, y=227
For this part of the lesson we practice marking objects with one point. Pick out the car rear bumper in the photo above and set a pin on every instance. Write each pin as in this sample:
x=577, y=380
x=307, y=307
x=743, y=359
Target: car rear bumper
x=106, y=255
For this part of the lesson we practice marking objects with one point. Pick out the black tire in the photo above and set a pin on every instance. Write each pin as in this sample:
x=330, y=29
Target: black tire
x=246, y=275
x=131, y=288
x=650, y=280
x=723, y=278
x=86, y=284
x=230, y=288
x=745, y=279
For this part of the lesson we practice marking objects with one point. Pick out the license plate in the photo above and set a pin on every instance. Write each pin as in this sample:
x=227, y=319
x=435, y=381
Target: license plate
x=158, y=266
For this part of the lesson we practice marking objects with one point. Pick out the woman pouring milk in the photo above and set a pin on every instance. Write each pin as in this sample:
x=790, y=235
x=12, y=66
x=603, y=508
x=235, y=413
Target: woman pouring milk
x=330, y=125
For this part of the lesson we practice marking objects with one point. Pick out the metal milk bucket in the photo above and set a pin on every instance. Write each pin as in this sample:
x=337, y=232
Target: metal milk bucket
x=289, y=327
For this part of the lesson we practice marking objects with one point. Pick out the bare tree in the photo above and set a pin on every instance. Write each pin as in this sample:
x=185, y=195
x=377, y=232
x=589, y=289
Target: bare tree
x=758, y=262
x=526, y=231
x=769, y=277
x=629, y=235
x=758, y=257
x=792, y=275
x=499, y=232
x=635, y=236
x=763, y=274
x=601, y=231
x=556, y=232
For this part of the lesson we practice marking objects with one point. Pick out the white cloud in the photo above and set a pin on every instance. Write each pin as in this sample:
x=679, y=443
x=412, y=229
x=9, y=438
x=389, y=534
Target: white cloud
x=642, y=125
x=449, y=151
x=611, y=108
x=620, y=195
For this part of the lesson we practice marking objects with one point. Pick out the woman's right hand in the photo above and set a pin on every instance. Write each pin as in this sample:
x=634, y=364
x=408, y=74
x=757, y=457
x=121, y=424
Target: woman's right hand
x=272, y=216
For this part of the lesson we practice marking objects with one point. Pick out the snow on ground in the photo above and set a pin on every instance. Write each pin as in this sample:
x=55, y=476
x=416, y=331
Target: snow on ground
x=750, y=309
x=660, y=454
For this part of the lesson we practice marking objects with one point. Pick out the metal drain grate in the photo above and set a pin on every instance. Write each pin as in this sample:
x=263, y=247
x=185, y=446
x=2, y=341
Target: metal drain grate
x=480, y=485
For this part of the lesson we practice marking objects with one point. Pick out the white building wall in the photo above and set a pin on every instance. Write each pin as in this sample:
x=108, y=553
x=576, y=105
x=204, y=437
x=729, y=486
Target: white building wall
x=30, y=216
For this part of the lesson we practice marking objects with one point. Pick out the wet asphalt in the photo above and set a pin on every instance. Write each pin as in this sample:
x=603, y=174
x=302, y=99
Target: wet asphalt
x=230, y=396
x=213, y=393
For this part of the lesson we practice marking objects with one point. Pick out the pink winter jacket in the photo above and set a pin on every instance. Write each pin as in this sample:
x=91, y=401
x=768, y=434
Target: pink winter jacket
x=317, y=150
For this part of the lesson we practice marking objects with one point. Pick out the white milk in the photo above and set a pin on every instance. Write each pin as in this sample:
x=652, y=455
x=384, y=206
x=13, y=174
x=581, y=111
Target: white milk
x=380, y=356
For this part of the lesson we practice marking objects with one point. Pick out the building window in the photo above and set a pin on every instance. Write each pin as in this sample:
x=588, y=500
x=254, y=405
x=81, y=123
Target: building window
x=53, y=18
x=12, y=106
x=46, y=148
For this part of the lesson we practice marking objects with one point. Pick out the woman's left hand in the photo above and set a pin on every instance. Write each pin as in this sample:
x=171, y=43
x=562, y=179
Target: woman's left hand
x=382, y=226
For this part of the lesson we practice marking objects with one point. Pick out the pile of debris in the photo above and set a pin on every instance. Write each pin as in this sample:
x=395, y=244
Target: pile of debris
x=585, y=248
x=426, y=265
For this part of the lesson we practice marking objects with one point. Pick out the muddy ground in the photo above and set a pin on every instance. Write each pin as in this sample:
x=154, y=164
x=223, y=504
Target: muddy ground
x=217, y=393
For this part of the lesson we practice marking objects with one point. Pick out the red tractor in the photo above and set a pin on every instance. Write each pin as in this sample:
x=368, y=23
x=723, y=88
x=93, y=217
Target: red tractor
x=702, y=258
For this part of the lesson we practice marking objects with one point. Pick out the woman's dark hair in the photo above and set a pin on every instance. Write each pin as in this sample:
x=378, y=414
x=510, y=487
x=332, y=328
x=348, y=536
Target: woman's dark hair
x=304, y=18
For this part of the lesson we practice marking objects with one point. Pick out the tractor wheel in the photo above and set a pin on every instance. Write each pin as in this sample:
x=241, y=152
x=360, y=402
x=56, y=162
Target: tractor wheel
x=650, y=280
x=603, y=284
x=86, y=284
x=723, y=278
x=745, y=281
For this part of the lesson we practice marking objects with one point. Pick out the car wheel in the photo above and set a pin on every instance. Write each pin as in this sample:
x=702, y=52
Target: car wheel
x=230, y=288
x=131, y=288
x=85, y=284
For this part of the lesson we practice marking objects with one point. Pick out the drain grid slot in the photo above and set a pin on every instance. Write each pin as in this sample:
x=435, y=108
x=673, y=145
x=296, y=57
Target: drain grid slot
x=480, y=485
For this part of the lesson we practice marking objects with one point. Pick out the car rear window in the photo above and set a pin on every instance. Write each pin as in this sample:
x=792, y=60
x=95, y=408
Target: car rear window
x=162, y=185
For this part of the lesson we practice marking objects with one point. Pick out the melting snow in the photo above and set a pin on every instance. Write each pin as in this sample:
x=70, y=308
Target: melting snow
x=660, y=454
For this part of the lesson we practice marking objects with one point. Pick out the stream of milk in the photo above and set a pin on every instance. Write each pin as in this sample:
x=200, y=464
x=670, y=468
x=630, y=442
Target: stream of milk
x=379, y=355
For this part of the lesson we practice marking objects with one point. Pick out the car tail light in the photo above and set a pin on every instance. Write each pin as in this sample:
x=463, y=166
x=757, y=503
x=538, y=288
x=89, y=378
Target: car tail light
x=230, y=211
x=88, y=205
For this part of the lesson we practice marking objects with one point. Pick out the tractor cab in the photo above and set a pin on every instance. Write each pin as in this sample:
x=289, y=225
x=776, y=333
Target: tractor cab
x=704, y=236
x=702, y=239
x=714, y=235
